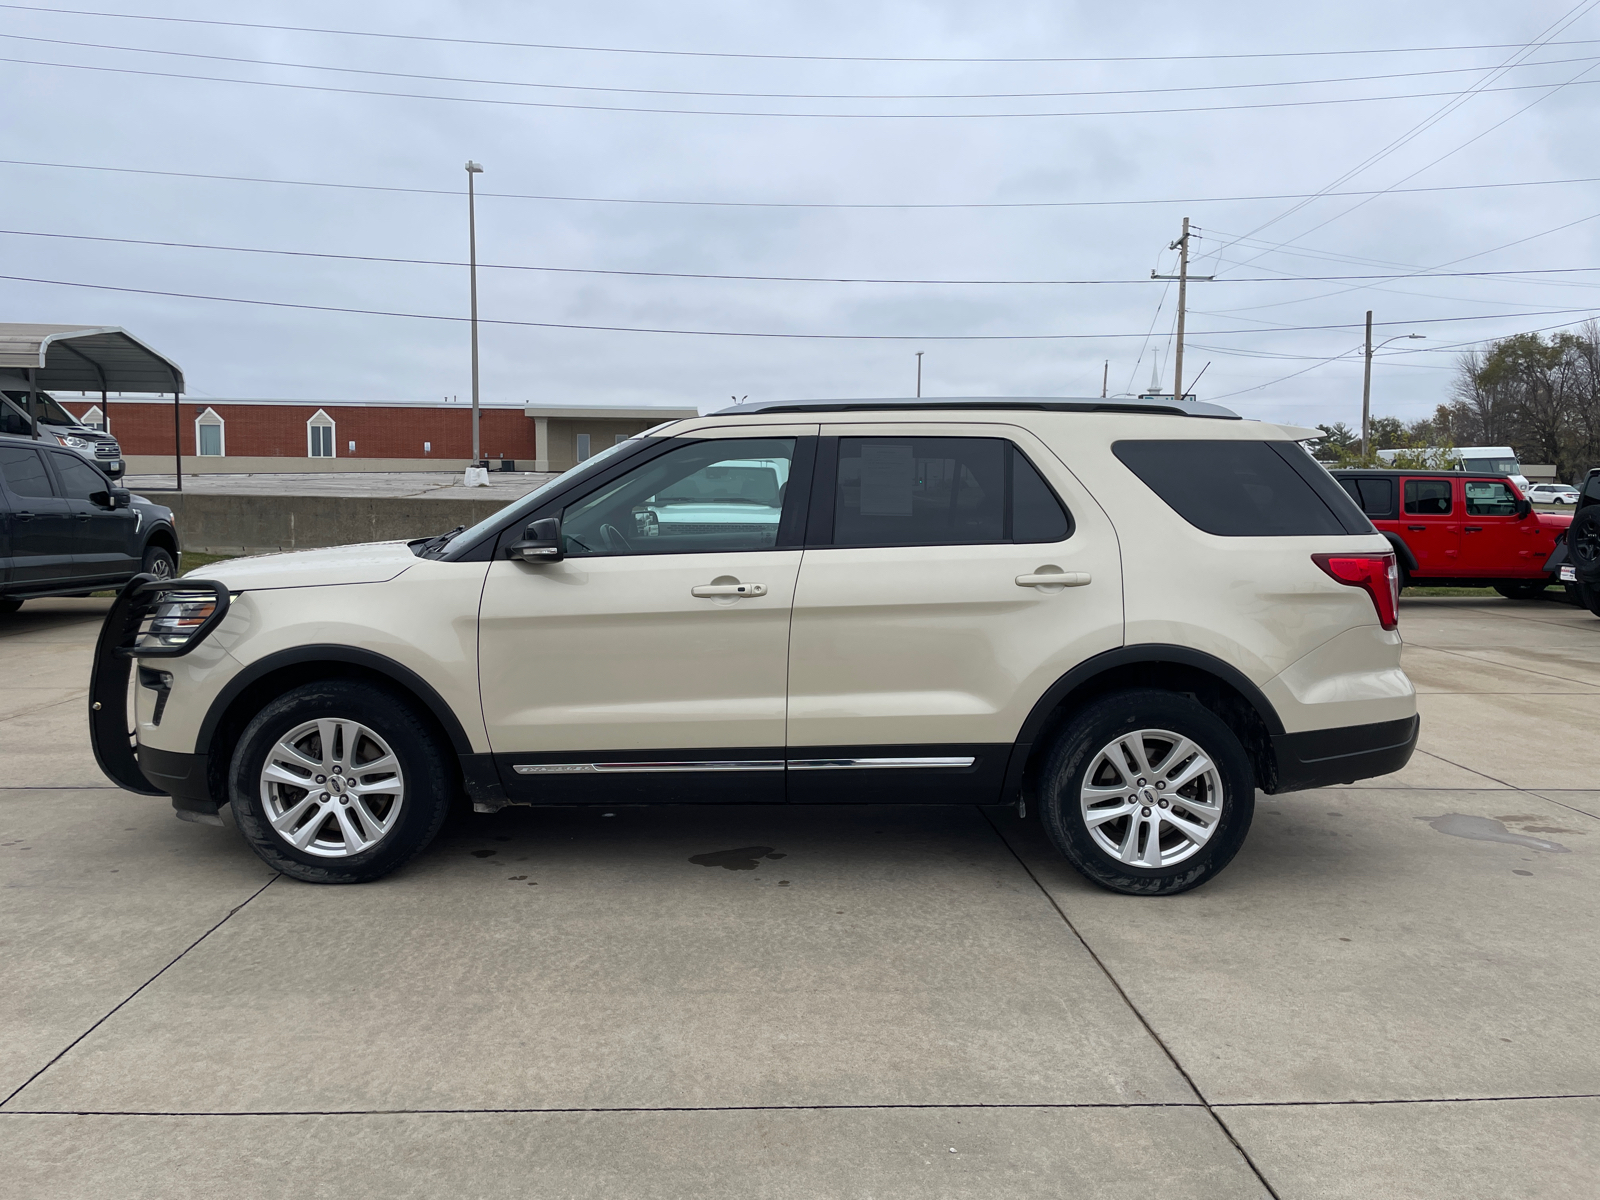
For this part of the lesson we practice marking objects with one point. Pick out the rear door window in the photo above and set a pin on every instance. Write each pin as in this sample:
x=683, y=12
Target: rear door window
x=24, y=472
x=1242, y=488
x=941, y=491
x=1428, y=497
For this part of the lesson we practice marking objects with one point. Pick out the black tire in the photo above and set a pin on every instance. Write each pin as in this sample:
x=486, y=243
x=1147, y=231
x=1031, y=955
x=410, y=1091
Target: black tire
x=9, y=606
x=1079, y=748
x=428, y=780
x=1405, y=577
x=1531, y=589
x=1583, y=545
x=1588, y=596
x=158, y=562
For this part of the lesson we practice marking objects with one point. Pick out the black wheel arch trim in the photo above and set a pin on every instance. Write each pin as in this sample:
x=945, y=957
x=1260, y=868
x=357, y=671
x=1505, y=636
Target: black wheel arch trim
x=1152, y=652
x=1408, y=560
x=351, y=655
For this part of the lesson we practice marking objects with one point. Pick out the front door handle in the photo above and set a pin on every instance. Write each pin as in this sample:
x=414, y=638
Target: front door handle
x=1474, y=528
x=1054, y=579
x=23, y=516
x=710, y=591
x=1417, y=528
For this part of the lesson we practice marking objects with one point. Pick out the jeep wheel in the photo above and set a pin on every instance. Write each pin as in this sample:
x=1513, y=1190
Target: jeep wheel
x=1588, y=596
x=1583, y=545
x=1148, y=793
x=159, y=563
x=339, y=782
x=1531, y=589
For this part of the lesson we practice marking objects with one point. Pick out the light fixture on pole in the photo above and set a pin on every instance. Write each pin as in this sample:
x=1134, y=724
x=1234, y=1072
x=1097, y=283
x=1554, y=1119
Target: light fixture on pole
x=472, y=259
x=1366, y=379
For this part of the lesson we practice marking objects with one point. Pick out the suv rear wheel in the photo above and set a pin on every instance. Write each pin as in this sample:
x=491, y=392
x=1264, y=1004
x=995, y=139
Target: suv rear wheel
x=1147, y=792
x=339, y=782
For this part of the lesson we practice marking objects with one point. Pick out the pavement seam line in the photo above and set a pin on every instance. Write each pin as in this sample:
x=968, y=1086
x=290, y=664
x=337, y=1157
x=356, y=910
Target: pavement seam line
x=1489, y=662
x=1513, y=787
x=62, y=1053
x=717, y=1108
x=1134, y=1009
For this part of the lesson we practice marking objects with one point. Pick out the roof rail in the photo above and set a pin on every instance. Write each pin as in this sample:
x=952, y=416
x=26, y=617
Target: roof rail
x=998, y=403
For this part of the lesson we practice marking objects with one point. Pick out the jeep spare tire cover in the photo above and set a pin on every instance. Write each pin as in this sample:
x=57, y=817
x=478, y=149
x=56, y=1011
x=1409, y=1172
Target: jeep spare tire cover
x=1583, y=543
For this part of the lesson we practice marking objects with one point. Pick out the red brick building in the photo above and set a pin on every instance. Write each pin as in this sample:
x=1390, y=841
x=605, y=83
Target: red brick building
x=405, y=434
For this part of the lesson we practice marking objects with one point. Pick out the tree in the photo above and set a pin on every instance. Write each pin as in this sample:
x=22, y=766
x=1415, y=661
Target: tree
x=1540, y=396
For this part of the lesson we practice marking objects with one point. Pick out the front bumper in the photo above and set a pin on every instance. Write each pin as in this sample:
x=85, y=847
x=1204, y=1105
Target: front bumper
x=1322, y=757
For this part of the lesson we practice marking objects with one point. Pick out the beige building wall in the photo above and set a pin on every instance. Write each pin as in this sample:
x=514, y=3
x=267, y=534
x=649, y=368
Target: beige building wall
x=557, y=430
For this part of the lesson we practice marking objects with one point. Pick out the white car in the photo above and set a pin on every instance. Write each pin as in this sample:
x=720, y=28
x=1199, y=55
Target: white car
x=1127, y=617
x=1552, y=493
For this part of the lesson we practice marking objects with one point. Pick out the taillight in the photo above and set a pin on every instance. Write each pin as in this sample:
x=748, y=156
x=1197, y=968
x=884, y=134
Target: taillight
x=1378, y=574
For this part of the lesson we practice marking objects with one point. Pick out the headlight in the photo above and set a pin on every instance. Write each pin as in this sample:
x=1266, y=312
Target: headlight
x=177, y=618
x=77, y=443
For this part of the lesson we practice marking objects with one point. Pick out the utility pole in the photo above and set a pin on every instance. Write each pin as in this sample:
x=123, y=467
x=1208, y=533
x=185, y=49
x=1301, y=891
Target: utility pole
x=1105, y=376
x=919, y=374
x=1366, y=390
x=1182, y=246
x=472, y=257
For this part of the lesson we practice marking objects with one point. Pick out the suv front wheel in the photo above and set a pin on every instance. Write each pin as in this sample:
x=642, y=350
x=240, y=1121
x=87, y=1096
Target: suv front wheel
x=1147, y=792
x=339, y=782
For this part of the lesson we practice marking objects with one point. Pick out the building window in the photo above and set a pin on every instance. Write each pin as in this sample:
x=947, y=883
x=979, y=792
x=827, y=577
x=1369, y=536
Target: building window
x=208, y=430
x=319, y=435
x=94, y=418
x=583, y=447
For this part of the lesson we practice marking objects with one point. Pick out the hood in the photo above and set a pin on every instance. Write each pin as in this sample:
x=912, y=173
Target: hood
x=1554, y=521
x=375, y=562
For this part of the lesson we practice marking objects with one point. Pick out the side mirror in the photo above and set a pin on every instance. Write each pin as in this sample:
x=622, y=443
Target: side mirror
x=113, y=498
x=541, y=542
x=1524, y=507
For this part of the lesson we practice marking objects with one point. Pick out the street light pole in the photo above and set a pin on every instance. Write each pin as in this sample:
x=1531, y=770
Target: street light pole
x=919, y=374
x=1366, y=380
x=472, y=258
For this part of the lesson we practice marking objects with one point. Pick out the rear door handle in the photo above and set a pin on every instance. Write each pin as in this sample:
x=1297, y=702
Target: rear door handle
x=1055, y=579
x=708, y=591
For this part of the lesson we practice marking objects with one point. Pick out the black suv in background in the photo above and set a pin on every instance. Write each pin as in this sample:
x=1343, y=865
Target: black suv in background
x=1578, y=558
x=67, y=530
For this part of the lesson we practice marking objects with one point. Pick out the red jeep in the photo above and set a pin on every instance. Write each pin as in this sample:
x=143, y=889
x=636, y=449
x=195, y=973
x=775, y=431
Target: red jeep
x=1455, y=529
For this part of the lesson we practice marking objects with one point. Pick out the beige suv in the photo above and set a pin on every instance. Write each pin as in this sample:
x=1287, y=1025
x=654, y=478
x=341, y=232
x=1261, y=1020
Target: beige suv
x=1125, y=617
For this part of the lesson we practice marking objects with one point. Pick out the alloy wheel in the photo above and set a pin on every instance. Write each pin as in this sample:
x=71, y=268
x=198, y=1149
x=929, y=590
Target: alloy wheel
x=1151, y=798
x=332, y=787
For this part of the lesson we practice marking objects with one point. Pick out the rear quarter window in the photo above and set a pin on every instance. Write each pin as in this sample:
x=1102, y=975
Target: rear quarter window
x=1244, y=489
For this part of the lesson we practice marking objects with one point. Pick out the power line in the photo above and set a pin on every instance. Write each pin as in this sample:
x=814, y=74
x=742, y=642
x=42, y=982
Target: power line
x=414, y=37
x=442, y=262
x=842, y=337
x=637, y=91
x=701, y=112
x=786, y=204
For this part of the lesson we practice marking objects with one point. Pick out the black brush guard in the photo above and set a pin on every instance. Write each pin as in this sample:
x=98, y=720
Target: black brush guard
x=110, y=733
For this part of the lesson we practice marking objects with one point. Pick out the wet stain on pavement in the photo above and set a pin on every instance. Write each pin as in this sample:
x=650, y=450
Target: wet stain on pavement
x=484, y=853
x=1487, y=829
x=745, y=858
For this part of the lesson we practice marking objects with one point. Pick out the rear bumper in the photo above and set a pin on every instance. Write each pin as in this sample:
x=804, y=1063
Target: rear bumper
x=1320, y=757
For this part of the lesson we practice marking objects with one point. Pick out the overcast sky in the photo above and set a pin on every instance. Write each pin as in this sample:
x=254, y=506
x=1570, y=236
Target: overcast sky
x=1142, y=172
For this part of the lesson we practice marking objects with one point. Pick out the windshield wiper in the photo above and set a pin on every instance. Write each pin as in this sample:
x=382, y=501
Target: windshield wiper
x=439, y=541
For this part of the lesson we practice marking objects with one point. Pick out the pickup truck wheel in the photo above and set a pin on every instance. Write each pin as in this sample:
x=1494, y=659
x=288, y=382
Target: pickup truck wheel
x=1531, y=589
x=1147, y=793
x=159, y=563
x=339, y=782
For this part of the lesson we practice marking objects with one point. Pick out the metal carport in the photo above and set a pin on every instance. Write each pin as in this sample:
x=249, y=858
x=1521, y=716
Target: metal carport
x=80, y=358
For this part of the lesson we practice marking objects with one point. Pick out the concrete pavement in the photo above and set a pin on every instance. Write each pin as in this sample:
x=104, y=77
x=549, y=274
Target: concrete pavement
x=1391, y=992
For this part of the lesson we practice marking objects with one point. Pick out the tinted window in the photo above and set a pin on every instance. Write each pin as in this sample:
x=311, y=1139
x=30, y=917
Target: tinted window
x=1428, y=497
x=724, y=495
x=1492, y=466
x=1375, y=496
x=13, y=421
x=78, y=478
x=24, y=472
x=1036, y=514
x=1232, y=489
x=1490, y=498
x=931, y=491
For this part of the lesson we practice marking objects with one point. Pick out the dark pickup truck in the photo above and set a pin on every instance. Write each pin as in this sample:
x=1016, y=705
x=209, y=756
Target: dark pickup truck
x=67, y=530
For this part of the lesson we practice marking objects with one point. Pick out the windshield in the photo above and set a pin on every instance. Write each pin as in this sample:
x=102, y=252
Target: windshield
x=468, y=537
x=1493, y=466
x=49, y=411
